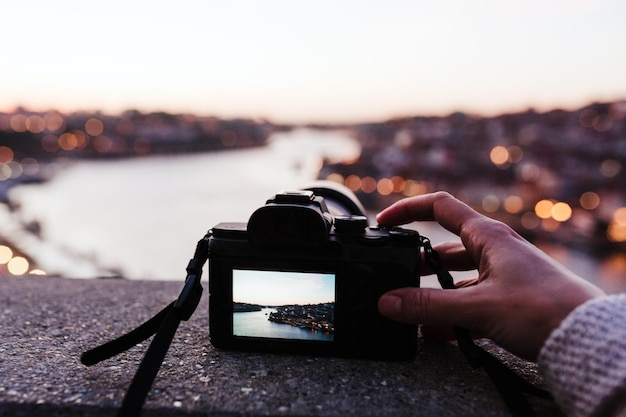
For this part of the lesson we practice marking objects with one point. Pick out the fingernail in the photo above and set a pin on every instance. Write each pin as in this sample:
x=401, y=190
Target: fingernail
x=390, y=305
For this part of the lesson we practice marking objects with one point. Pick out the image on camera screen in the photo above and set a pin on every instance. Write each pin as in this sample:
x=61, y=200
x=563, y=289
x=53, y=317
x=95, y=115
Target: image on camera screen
x=284, y=305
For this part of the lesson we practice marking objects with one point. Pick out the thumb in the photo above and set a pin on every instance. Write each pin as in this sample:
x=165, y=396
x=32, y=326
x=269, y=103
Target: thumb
x=431, y=306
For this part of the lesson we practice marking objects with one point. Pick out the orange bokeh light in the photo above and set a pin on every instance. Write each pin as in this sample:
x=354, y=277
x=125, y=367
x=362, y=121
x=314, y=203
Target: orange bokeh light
x=499, y=155
x=353, y=182
x=561, y=212
x=54, y=122
x=385, y=186
x=6, y=155
x=94, y=127
x=513, y=204
x=589, y=200
x=543, y=209
x=18, y=123
x=368, y=185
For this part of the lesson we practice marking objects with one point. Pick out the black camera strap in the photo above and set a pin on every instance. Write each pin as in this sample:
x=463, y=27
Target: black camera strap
x=165, y=323
x=163, y=326
x=510, y=385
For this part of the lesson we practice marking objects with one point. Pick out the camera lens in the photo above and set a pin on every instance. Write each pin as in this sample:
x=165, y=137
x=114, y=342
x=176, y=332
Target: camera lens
x=339, y=199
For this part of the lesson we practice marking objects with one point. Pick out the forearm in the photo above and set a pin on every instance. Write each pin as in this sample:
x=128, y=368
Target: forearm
x=584, y=359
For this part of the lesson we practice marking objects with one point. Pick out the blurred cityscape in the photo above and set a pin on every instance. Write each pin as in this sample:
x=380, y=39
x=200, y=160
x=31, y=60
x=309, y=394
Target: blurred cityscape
x=558, y=176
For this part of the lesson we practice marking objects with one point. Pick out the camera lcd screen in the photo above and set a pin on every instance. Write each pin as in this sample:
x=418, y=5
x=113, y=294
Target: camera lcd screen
x=284, y=305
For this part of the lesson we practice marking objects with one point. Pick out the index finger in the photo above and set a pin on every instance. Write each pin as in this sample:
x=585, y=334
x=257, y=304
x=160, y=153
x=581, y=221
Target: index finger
x=441, y=207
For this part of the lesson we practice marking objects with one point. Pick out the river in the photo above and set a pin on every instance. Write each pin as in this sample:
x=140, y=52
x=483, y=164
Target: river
x=256, y=324
x=141, y=218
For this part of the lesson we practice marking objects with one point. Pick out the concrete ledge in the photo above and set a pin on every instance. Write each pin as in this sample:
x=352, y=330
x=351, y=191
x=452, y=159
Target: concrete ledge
x=46, y=323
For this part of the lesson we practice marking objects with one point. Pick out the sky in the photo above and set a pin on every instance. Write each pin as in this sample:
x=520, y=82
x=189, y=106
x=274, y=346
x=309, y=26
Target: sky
x=275, y=288
x=300, y=62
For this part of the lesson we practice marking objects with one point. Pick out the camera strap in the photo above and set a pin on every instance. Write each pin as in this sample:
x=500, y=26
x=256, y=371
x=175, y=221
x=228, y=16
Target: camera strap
x=510, y=385
x=163, y=325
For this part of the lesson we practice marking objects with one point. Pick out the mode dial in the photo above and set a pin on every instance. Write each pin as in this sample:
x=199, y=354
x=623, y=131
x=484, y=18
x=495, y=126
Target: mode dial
x=350, y=224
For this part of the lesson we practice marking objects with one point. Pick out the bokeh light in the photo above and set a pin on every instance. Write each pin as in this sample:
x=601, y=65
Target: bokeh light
x=70, y=141
x=18, y=123
x=513, y=204
x=530, y=172
x=385, y=186
x=490, y=203
x=94, y=127
x=616, y=232
x=399, y=184
x=368, y=185
x=54, y=122
x=102, y=144
x=588, y=118
x=619, y=216
x=6, y=155
x=552, y=211
x=5, y=172
x=589, y=200
x=503, y=157
x=602, y=123
x=30, y=166
x=6, y=253
x=35, y=124
x=561, y=212
x=414, y=188
x=18, y=265
x=499, y=155
x=543, y=209
x=609, y=168
x=353, y=182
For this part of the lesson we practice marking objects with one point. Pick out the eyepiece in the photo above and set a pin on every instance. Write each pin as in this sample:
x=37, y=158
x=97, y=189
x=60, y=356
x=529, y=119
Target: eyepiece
x=341, y=201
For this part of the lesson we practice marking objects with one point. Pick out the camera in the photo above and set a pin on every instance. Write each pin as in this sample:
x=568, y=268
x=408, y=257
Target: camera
x=304, y=275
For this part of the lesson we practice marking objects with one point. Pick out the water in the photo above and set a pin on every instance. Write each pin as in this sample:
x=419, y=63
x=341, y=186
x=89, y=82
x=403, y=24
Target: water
x=256, y=324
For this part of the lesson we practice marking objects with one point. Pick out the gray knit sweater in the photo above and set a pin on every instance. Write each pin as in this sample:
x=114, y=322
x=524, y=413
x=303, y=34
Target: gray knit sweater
x=584, y=359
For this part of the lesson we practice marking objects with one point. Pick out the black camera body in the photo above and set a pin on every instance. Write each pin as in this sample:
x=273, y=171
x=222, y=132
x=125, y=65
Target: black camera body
x=298, y=278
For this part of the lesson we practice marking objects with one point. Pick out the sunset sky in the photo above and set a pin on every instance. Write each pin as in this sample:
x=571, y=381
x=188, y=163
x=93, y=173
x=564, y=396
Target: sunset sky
x=274, y=288
x=323, y=61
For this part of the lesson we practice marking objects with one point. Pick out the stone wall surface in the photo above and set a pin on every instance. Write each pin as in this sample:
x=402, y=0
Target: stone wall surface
x=46, y=323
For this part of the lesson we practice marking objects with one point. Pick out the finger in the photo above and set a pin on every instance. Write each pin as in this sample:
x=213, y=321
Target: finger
x=466, y=283
x=475, y=230
x=461, y=307
x=440, y=207
x=455, y=257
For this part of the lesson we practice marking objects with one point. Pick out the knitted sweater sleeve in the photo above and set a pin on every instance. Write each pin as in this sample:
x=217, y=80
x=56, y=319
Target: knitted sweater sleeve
x=584, y=359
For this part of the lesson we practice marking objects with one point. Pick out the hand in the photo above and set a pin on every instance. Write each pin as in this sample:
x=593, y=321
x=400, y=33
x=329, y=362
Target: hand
x=519, y=297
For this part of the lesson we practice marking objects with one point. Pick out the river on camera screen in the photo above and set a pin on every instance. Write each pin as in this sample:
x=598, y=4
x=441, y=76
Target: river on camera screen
x=140, y=218
x=256, y=324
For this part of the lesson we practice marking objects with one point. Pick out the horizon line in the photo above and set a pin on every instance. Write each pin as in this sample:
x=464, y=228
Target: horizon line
x=318, y=121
